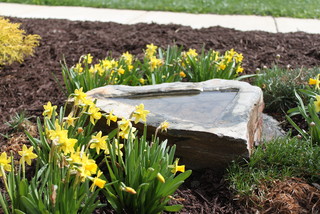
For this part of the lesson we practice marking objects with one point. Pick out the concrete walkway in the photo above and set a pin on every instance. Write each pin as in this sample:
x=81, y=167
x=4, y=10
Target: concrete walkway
x=238, y=22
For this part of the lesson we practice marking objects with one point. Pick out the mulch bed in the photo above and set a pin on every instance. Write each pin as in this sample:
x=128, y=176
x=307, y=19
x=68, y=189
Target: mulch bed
x=28, y=86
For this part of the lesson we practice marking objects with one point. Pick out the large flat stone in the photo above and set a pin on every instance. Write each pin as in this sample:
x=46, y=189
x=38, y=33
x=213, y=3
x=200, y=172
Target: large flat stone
x=211, y=122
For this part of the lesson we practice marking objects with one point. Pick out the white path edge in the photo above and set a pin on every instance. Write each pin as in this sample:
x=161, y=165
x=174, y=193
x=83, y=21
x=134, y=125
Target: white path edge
x=196, y=21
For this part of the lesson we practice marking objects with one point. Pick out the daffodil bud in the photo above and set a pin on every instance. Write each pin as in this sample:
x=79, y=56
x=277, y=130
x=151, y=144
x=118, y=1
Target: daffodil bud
x=161, y=178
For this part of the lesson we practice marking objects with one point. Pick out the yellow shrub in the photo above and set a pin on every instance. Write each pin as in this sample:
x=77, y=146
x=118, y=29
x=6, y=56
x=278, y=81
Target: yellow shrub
x=14, y=43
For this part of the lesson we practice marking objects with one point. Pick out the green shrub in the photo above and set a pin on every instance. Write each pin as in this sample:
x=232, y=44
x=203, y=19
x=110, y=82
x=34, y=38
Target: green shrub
x=15, y=45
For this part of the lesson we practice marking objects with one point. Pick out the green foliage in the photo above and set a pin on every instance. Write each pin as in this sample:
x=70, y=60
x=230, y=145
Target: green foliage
x=279, y=84
x=72, y=155
x=310, y=114
x=148, y=169
x=157, y=66
x=15, y=45
x=289, y=8
x=277, y=159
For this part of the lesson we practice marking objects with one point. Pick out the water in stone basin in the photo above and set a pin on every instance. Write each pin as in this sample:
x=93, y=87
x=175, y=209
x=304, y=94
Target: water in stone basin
x=198, y=107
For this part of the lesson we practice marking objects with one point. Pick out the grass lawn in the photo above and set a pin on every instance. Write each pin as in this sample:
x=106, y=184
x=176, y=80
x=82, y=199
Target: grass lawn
x=287, y=8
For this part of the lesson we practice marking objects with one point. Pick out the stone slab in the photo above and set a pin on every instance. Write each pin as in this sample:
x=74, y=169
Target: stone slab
x=213, y=140
x=287, y=25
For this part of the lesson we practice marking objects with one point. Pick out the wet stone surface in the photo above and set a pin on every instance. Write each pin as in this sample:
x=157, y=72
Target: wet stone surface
x=198, y=107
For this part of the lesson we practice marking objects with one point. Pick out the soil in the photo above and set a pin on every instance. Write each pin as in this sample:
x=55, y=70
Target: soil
x=28, y=86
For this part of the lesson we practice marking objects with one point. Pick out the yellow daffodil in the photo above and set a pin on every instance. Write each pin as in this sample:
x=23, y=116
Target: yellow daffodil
x=182, y=74
x=97, y=181
x=94, y=113
x=79, y=96
x=87, y=167
x=141, y=80
x=154, y=63
x=121, y=70
x=106, y=64
x=111, y=117
x=140, y=114
x=315, y=82
x=127, y=58
x=222, y=66
x=176, y=168
x=164, y=126
x=125, y=129
x=88, y=58
x=317, y=103
x=117, y=146
x=78, y=68
x=239, y=69
x=27, y=155
x=49, y=110
x=4, y=163
x=151, y=50
x=98, y=142
x=239, y=58
x=70, y=120
x=192, y=53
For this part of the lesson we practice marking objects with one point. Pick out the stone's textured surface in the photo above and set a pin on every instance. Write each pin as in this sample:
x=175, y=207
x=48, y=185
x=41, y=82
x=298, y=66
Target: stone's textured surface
x=211, y=122
x=271, y=128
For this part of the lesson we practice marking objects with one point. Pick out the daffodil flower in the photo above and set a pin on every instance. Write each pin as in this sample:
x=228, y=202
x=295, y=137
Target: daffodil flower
x=315, y=82
x=111, y=117
x=49, y=110
x=97, y=181
x=27, y=155
x=79, y=96
x=164, y=126
x=98, y=142
x=4, y=163
x=176, y=168
x=140, y=114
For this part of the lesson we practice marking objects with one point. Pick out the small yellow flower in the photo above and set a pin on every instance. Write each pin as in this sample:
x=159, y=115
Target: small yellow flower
x=127, y=57
x=70, y=120
x=98, y=142
x=111, y=117
x=222, y=66
x=164, y=126
x=78, y=68
x=4, y=163
x=151, y=50
x=27, y=155
x=239, y=69
x=176, y=168
x=121, y=70
x=317, y=103
x=79, y=96
x=98, y=181
x=126, y=129
x=88, y=58
x=239, y=58
x=141, y=80
x=94, y=113
x=161, y=178
x=182, y=74
x=315, y=82
x=154, y=63
x=49, y=110
x=192, y=53
x=140, y=114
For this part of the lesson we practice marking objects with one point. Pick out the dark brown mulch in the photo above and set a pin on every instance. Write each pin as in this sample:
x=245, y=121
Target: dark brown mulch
x=28, y=86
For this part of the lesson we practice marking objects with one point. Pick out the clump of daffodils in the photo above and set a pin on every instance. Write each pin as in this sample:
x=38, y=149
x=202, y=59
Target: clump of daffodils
x=157, y=66
x=15, y=44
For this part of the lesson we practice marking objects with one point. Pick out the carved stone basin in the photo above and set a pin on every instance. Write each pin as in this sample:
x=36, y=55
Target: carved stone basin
x=211, y=122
